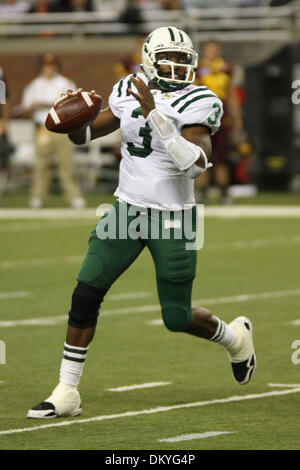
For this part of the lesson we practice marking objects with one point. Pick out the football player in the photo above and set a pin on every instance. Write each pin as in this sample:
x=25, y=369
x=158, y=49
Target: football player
x=166, y=124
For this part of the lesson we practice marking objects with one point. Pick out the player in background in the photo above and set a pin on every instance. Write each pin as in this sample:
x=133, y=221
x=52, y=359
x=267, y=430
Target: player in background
x=6, y=148
x=166, y=123
x=129, y=63
x=38, y=97
x=217, y=74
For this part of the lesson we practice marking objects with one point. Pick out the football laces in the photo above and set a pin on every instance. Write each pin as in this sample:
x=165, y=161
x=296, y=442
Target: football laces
x=64, y=96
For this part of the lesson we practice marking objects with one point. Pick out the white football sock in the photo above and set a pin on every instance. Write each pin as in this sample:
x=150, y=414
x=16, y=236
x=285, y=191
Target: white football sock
x=225, y=334
x=72, y=364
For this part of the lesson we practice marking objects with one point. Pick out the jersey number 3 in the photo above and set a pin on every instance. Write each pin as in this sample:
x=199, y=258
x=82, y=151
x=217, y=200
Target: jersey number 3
x=144, y=132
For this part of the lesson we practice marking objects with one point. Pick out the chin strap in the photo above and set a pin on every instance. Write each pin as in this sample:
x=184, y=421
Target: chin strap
x=183, y=153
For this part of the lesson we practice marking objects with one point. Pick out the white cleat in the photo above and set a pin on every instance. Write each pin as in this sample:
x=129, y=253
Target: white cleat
x=64, y=401
x=241, y=351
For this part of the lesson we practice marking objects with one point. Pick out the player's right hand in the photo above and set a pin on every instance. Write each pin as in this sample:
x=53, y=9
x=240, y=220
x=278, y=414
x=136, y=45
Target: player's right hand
x=144, y=95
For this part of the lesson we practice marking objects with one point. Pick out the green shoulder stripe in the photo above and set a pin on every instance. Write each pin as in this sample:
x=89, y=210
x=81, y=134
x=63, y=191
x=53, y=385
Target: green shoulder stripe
x=120, y=87
x=199, y=97
x=188, y=94
x=129, y=85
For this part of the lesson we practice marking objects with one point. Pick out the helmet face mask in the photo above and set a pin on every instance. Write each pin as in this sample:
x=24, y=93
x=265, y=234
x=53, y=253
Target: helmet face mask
x=171, y=42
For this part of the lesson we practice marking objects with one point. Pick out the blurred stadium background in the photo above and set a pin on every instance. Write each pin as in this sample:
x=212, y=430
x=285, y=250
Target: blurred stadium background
x=249, y=264
x=91, y=38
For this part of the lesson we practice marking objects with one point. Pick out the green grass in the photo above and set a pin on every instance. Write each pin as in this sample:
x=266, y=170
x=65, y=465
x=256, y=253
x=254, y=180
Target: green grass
x=21, y=199
x=127, y=350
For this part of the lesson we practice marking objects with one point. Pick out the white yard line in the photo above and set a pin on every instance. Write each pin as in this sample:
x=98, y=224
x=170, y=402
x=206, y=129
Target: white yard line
x=150, y=411
x=56, y=214
x=13, y=295
x=254, y=243
x=245, y=211
x=36, y=225
x=37, y=262
x=294, y=322
x=47, y=321
x=157, y=322
x=284, y=385
x=209, y=301
x=129, y=295
x=156, y=307
x=191, y=437
x=127, y=388
x=76, y=259
x=248, y=297
x=242, y=211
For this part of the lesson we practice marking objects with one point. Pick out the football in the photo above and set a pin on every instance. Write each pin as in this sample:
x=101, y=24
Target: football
x=73, y=112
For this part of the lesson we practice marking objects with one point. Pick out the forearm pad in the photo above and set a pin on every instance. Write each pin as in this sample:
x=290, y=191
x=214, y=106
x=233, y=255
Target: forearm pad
x=183, y=153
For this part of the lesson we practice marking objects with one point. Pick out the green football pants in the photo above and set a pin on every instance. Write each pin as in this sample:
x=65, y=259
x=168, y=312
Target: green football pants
x=119, y=238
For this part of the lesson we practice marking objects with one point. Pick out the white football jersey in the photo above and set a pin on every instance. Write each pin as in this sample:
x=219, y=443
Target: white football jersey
x=148, y=177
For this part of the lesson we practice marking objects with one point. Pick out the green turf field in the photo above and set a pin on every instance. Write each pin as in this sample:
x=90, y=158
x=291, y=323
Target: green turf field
x=258, y=258
x=21, y=199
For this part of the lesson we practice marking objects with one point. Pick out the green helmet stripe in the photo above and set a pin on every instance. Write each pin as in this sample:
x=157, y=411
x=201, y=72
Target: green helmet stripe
x=172, y=34
x=181, y=36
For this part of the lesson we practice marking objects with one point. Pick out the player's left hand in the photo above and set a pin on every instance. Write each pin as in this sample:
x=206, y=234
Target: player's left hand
x=144, y=95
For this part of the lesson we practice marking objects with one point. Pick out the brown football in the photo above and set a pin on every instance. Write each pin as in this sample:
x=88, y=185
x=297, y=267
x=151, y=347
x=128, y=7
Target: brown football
x=73, y=112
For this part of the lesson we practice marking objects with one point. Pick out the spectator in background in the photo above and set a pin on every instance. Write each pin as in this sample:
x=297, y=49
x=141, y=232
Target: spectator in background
x=43, y=6
x=170, y=4
x=38, y=97
x=216, y=73
x=65, y=6
x=149, y=5
x=14, y=6
x=40, y=6
x=225, y=3
x=81, y=5
x=5, y=147
x=131, y=15
x=279, y=3
x=129, y=63
x=162, y=4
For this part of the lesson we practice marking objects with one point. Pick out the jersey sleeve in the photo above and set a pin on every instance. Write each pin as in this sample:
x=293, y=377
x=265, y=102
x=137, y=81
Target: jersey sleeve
x=200, y=108
x=113, y=100
x=116, y=98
